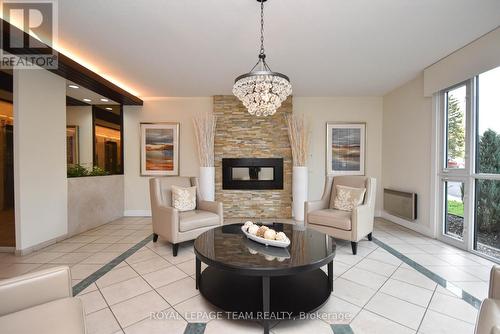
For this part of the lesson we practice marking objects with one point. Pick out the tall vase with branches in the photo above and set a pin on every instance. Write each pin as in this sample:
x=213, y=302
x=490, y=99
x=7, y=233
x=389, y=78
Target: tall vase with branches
x=204, y=129
x=299, y=139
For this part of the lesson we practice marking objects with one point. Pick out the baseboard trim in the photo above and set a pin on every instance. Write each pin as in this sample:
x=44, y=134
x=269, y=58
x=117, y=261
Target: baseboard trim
x=43, y=244
x=7, y=249
x=137, y=213
x=425, y=230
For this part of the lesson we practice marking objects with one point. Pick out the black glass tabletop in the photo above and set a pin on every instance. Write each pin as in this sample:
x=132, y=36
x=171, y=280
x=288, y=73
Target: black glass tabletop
x=226, y=247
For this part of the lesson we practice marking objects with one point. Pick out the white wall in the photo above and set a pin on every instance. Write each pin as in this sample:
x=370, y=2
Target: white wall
x=81, y=116
x=39, y=157
x=407, y=147
x=318, y=111
x=179, y=110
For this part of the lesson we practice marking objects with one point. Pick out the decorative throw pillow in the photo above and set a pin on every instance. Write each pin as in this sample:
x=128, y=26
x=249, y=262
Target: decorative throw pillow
x=347, y=198
x=184, y=199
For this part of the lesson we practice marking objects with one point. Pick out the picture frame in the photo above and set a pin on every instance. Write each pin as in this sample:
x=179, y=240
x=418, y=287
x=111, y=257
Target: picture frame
x=72, y=145
x=345, y=148
x=159, y=149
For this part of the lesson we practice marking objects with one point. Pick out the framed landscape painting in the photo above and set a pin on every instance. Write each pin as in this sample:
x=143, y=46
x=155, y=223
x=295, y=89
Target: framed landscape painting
x=159, y=149
x=345, y=148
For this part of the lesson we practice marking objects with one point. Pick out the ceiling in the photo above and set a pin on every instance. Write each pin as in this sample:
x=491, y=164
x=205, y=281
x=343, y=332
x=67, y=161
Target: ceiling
x=327, y=47
x=83, y=94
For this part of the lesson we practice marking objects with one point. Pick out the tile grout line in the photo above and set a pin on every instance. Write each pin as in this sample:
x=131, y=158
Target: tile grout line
x=465, y=296
x=110, y=310
x=346, y=328
x=427, y=309
x=187, y=329
x=377, y=291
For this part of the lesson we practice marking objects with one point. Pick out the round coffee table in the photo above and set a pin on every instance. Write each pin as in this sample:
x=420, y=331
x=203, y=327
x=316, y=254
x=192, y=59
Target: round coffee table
x=265, y=283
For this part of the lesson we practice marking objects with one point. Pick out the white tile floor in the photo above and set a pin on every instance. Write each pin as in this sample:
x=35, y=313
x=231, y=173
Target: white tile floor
x=374, y=291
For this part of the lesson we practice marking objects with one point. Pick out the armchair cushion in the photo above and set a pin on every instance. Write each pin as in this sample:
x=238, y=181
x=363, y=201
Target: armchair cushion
x=61, y=316
x=184, y=199
x=331, y=218
x=190, y=220
x=347, y=181
x=348, y=198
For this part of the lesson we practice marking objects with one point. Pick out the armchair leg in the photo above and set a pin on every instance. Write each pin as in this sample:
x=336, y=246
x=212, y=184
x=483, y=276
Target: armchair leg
x=175, y=249
x=155, y=237
x=370, y=236
x=354, y=246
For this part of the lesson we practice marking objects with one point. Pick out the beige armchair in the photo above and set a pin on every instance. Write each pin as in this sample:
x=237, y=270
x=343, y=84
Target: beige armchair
x=41, y=302
x=352, y=226
x=489, y=313
x=175, y=226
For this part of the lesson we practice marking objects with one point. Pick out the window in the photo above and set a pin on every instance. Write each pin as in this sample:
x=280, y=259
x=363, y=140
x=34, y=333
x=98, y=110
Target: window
x=455, y=127
x=470, y=174
x=487, y=177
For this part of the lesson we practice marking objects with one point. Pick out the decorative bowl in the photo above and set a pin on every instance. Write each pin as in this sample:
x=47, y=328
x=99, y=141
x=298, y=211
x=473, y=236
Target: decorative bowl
x=267, y=242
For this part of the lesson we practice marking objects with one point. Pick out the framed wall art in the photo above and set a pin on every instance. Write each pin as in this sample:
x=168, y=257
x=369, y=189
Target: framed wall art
x=159, y=149
x=345, y=148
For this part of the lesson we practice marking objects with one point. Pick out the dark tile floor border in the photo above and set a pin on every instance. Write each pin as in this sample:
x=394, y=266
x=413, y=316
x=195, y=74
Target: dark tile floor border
x=342, y=329
x=467, y=297
x=195, y=328
x=110, y=265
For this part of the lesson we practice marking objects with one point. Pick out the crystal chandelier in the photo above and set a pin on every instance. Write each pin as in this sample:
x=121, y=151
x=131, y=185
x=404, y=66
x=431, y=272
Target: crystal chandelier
x=261, y=90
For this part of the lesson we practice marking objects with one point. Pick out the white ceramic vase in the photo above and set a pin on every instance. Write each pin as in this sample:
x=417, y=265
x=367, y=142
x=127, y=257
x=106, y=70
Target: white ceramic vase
x=207, y=183
x=299, y=191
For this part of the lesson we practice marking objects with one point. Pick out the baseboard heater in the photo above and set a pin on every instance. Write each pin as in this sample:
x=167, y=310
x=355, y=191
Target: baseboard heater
x=400, y=204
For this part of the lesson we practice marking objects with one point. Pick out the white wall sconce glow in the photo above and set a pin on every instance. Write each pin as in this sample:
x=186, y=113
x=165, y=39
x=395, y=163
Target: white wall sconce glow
x=87, y=100
x=108, y=108
x=104, y=100
x=73, y=86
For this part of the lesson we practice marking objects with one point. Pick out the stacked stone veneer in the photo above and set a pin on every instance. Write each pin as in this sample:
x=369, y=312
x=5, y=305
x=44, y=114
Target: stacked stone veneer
x=240, y=135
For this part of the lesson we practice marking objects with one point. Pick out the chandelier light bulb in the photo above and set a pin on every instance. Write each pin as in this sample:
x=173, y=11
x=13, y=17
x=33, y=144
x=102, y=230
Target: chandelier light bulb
x=261, y=90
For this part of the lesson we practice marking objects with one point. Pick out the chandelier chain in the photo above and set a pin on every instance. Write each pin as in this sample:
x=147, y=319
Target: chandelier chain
x=262, y=28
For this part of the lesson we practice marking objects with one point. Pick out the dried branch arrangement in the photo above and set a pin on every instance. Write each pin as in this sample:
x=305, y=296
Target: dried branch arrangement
x=298, y=134
x=204, y=129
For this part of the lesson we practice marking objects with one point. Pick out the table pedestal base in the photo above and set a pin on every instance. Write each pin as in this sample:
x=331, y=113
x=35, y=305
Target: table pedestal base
x=289, y=296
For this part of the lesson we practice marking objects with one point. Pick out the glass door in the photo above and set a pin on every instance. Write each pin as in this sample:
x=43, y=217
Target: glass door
x=470, y=166
x=453, y=175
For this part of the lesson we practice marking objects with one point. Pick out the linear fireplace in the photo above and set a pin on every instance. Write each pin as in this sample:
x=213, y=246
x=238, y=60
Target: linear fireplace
x=252, y=173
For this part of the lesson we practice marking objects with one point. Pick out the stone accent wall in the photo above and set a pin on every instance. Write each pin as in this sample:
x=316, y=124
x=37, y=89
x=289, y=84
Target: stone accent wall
x=240, y=135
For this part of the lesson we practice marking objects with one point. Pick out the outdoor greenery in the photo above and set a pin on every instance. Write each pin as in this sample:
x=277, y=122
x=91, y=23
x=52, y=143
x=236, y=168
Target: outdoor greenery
x=80, y=171
x=456, y=208
x=488, y=192
x=456, y=129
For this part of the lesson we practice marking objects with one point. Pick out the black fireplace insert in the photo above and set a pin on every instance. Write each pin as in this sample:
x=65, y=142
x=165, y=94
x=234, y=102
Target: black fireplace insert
x=252, y=173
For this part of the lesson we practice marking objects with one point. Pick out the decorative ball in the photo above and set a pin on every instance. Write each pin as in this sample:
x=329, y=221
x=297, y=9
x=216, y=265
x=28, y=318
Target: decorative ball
x=280, y=236
x=261, y=231
x=270, y=234
x=247, y=225
x=253, y=229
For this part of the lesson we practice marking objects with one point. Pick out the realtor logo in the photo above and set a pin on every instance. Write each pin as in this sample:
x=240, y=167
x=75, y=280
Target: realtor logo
x=28, y=32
